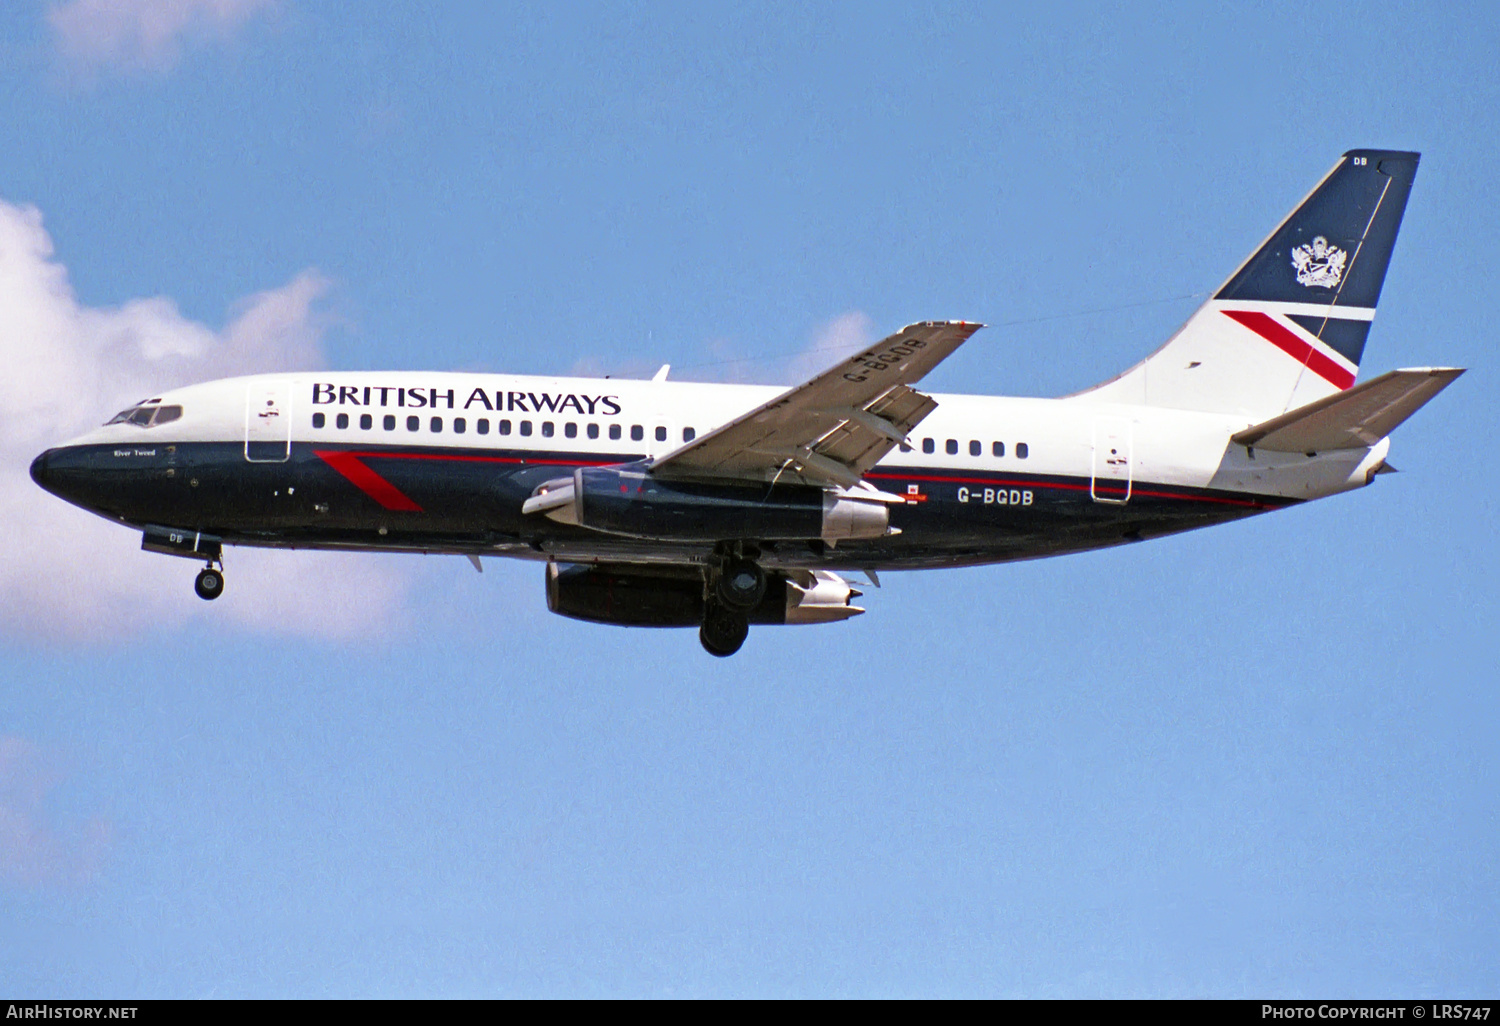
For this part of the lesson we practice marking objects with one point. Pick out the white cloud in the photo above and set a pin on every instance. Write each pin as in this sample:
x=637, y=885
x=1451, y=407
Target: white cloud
x=144, y=34
x=67, y=573
x=832, y=342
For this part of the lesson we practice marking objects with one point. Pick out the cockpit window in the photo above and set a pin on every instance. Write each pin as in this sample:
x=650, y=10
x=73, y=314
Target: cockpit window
x=147, y=416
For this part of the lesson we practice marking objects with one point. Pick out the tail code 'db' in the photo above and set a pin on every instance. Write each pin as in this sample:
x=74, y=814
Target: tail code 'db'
x=1289, y=326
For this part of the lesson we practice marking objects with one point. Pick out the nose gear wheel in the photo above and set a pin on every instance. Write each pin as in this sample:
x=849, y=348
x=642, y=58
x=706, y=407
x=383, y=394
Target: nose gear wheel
x=210, y=583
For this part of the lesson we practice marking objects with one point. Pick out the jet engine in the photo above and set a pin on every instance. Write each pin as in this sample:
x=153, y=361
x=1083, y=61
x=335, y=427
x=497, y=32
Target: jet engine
x=635, y=504
x=636, y=596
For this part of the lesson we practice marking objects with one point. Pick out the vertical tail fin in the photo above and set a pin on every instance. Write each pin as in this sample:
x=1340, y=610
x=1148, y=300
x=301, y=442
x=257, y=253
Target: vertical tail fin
x=1289, y=326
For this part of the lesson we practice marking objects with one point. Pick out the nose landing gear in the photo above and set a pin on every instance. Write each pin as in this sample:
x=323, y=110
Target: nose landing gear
x=210, y=583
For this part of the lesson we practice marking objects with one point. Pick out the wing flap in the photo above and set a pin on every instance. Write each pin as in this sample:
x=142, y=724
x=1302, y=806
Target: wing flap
x=829, y=430
x=872, y=431
x=1353, y=419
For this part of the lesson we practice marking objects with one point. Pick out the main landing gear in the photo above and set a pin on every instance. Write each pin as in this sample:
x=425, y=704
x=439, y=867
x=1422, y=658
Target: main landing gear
x=738, y=588
x=741, y=584
x=724, y=630
x=210, y=583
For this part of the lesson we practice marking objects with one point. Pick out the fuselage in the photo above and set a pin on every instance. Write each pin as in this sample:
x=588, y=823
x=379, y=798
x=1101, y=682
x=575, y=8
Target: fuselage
x=443, y=462
x=673, y=504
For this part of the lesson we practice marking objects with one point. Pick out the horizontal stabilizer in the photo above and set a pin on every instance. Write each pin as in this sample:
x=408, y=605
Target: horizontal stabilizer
x=1353, y=419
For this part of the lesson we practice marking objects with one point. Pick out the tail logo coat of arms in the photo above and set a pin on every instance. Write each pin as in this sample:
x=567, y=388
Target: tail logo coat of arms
x=1319, y=263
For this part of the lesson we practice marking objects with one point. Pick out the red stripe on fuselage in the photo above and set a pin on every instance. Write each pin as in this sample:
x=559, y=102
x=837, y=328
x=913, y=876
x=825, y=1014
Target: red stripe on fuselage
x=1070, y=487
x=351, y=466
x=366, y=480
x=1282, y=337
x=454, y=458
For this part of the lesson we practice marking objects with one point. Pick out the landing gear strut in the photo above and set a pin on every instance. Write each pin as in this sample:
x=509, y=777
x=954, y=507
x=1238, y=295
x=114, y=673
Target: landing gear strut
x=210, y=583
x=724, y=630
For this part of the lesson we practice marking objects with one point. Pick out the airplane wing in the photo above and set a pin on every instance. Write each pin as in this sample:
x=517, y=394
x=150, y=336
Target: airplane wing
x=1352, y=419
x=832, y=429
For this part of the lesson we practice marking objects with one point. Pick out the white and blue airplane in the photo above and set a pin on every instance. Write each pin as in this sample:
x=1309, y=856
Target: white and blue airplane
x=672, y=504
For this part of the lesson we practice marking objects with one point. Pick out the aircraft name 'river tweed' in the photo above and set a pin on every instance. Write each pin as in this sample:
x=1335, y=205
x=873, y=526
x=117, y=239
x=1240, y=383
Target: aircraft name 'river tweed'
x=671, y=504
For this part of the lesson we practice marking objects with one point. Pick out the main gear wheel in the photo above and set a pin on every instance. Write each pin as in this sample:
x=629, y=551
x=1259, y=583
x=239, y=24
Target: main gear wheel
x=724, y=630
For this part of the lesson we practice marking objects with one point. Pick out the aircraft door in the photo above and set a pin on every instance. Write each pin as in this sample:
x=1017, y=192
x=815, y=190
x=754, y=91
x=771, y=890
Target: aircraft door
x=268, y=422
x=1111, y=477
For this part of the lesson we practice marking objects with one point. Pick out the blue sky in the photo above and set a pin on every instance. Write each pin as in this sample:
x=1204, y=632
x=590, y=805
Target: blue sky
x=1254, y=760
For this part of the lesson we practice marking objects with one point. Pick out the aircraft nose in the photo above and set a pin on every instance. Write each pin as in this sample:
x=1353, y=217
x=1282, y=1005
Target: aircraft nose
x=39, y=468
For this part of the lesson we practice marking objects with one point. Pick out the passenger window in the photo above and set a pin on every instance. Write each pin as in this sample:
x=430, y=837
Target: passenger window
x=928, y=446
x=460, y=425
x=526, y=427
x=637, y=432
x=342, y=421
x=570, y=429
x=614, y=432
x=998, y=448
x=437, y=425
x=413, y=423
x=975, y=448
x=661, y=433
x=903, y=447
x=688, y=434
x=593, y=430
x=390, y=422
x=483, y=426
x=366, y=421
x=317, y=420
x=952, y=447
x=504, y=427
x=1022, y=450
x=546, y=429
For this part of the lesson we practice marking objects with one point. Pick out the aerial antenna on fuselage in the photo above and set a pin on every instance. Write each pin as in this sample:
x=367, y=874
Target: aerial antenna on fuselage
x=661, y=375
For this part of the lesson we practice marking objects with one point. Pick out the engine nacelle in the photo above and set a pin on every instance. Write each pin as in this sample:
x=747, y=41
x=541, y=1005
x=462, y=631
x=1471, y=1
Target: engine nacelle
x=635, y=504
x=667, y=597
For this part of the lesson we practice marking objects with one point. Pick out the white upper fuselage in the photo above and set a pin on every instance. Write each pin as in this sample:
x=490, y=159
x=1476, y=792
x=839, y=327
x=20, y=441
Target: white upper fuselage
x=1057, y=436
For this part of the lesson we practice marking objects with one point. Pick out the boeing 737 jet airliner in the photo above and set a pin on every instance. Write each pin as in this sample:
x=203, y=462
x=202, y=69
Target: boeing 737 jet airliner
x=668, y=504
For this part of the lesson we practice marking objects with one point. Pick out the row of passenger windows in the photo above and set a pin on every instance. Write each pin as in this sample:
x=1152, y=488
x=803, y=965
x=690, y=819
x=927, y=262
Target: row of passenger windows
x=616, y=431
x=502, y=427
x=976, y=448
